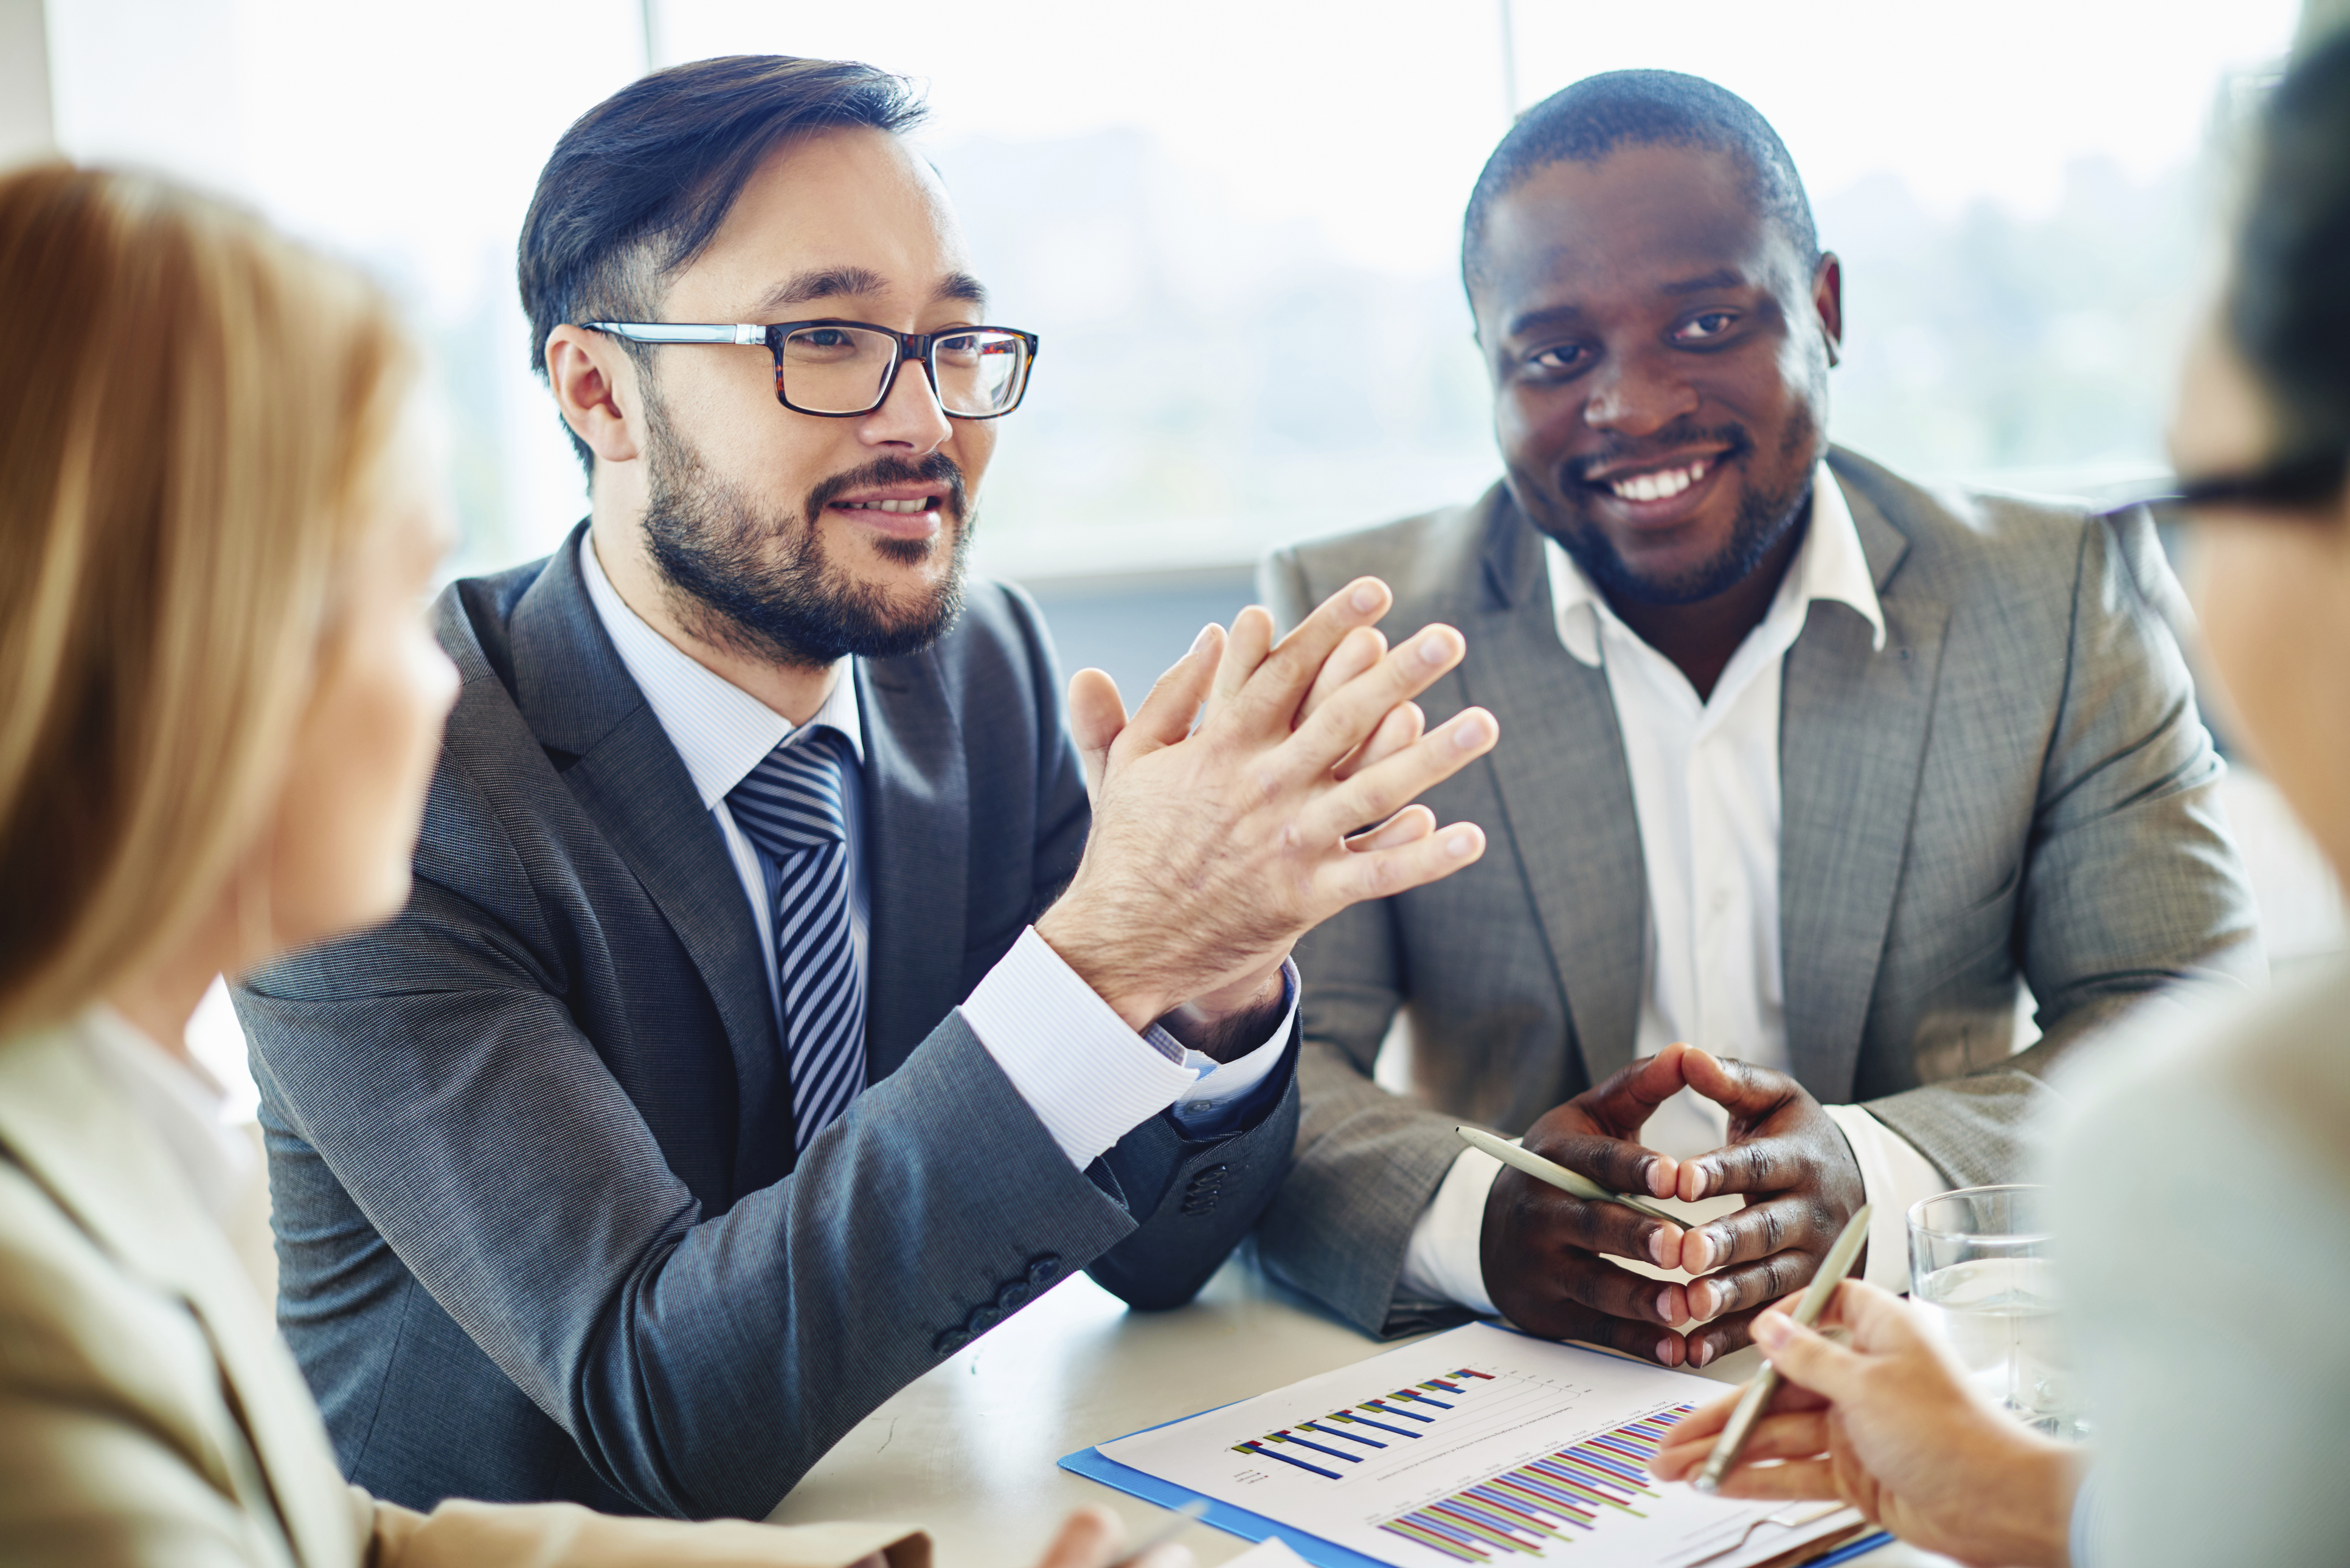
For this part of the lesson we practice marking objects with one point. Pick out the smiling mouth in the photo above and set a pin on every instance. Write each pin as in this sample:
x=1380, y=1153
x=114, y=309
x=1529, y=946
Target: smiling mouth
x=1657, y=484
x=919, y=503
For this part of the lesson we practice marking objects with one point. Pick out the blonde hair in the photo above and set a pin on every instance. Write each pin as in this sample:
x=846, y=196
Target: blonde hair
x=191, y=409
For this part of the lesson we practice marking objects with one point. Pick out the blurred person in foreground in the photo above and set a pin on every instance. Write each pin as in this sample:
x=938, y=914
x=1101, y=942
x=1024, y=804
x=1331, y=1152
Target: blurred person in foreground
x=1813, y=771
x=2203, y=1188
x=220, y=704
x=770, y=1017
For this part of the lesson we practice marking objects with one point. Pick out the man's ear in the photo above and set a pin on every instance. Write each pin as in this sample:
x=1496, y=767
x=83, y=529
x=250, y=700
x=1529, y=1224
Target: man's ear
x=1827, y=300
x=595, y=386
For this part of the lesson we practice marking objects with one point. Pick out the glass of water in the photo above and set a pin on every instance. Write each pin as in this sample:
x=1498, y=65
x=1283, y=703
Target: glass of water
x=1980, y=1269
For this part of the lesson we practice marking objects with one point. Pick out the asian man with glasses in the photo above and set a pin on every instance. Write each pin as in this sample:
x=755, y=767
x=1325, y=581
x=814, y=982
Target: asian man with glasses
x=773, y=1013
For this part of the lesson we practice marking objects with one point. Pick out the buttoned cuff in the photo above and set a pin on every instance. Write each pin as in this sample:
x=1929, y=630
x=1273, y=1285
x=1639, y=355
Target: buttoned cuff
x=1089, y=1078
x=1444, y=1260
x=1893, y=1176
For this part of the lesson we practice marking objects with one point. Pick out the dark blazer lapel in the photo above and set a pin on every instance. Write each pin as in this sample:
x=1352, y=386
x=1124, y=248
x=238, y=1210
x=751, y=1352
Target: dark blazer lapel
x=1853, y=724
x=581, y=703
x=917, y=826
x=1565, y=788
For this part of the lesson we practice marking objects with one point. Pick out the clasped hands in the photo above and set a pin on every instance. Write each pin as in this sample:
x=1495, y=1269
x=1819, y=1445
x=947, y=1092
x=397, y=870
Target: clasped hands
x=1261, y=787
x=1544, y=1251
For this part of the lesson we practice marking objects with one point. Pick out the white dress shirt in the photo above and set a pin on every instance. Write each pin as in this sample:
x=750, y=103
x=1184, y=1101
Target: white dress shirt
x=1089, y=1078
x=1705, y=788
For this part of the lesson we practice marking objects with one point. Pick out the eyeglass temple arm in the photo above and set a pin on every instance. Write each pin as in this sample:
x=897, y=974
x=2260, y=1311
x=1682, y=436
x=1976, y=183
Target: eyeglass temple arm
x=745, y=332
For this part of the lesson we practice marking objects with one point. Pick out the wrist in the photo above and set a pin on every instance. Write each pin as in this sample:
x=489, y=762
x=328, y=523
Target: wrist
x=2030, y=1521
x=1226, y=1025
x=1077, y=939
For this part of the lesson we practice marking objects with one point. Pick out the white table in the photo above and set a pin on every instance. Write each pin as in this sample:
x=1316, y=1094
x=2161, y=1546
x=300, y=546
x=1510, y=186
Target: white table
x=969, y=1451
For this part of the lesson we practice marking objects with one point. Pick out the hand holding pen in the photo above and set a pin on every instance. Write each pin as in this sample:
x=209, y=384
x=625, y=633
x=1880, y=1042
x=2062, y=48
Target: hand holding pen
x=1885, y=1423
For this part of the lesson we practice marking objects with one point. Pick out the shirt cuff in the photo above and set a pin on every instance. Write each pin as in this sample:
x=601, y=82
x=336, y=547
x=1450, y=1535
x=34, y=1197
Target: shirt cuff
x=1229, y=1095
x=1893, y=1176
x=1444, y=1259
x=1089, y=1078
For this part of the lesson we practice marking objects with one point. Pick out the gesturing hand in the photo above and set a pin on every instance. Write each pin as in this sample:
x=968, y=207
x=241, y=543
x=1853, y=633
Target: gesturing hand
x=1889, y=1427
x=1540, y=1247
x=1802, y=1185
x=1215, y=846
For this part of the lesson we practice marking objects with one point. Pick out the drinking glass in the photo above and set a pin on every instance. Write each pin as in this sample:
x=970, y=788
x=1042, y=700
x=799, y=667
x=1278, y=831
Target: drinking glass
x=1979, y=1270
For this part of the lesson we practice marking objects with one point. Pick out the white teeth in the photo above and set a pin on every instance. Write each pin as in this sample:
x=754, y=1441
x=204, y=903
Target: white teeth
x=920, y=504
x=1659, y=486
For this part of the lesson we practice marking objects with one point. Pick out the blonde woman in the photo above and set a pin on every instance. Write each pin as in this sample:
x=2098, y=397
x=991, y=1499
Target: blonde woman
x=219, y=710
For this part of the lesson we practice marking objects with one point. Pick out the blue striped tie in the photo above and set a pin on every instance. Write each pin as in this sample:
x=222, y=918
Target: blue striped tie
x=790, y=806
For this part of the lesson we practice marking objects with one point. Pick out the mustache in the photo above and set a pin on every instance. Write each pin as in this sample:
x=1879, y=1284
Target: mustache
x=1734, y=440
x=937, y=469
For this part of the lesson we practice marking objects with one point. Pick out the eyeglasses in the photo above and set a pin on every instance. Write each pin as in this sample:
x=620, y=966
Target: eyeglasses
x=839, y=369
x=2308, y=478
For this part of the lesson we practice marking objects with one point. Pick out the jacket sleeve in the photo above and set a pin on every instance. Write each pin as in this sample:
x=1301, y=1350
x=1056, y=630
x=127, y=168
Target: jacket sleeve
x=697, y=1361
x=564, y=1535
x=1195, y=1198
x=2131, y=884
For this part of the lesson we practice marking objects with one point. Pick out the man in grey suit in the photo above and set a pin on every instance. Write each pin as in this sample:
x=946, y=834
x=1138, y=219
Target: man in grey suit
x=740, y=1054
x=1812, y=771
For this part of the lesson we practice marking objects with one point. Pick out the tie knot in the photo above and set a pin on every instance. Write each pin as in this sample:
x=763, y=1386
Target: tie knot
x=791, y=801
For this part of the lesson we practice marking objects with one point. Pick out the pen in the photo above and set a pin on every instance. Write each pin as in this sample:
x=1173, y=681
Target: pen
x=1189, y=1514
x=1766, y=1381
x=1558, y=1176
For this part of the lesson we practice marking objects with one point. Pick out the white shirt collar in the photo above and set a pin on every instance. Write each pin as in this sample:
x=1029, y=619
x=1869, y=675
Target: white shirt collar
x=721, y=731
x=1829, y=564
x=180, y=1104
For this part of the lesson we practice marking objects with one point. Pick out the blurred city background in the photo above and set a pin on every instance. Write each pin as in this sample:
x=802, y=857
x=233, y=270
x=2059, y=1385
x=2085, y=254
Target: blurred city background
x=1234, y=224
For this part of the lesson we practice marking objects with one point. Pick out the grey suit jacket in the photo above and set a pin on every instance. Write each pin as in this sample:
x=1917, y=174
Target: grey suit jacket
x=540, y=1228
x=2015, y=790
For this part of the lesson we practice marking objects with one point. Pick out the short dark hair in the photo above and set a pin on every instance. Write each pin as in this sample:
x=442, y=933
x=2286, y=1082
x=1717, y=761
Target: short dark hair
x=640, y=184
x=2285, y=307
x=1588, y=119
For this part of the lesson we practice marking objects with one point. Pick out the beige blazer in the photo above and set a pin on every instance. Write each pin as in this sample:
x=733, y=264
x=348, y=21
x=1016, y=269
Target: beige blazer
x=149, y=1413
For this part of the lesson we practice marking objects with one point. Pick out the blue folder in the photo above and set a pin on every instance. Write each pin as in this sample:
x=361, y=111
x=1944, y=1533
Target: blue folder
x=1094, y=1465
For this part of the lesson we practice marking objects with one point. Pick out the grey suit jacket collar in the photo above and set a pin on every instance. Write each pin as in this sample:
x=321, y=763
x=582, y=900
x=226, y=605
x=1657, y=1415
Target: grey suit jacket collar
x=63, y=1123
x=1852, y=730
x=579, y=699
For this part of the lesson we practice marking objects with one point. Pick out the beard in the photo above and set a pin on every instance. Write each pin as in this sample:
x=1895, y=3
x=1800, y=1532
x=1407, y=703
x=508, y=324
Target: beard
x=759, y=581
x=1766, y=514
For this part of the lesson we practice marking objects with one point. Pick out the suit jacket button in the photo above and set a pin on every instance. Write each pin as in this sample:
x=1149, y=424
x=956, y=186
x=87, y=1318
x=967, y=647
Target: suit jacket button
x=949, y=1342
x=983, y=1317
x=1043, y=1267
x=1014, y=1296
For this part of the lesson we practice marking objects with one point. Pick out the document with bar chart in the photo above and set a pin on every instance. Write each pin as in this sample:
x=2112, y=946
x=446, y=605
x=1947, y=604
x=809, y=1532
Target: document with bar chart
x=1477, y=1445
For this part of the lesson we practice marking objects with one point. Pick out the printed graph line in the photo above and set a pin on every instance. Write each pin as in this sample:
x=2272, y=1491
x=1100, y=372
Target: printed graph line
x=1544, y=1502
x=1454, y=1383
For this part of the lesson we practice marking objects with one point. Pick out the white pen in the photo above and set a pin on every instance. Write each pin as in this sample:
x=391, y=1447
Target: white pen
x=1557, y=1174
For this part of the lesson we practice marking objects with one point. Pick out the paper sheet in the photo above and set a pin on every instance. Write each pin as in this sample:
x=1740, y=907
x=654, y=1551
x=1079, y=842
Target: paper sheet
x=1477, y=1446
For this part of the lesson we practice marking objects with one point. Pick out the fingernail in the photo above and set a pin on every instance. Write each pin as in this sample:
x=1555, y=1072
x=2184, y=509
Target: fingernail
x=1665, y=1303
x=1701, y=1352
x=1435, y=648
x=1664, y=1350
x=1470, y=736
x=1365, y=597
x=1461, y=844
x=1662, y=1247
x=1773, y=1330
x=1207, y=632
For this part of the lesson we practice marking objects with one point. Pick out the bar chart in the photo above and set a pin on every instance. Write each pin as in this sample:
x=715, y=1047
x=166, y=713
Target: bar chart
x=1540, y=1504
x=1479, y=1446
x=1390, y=1414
